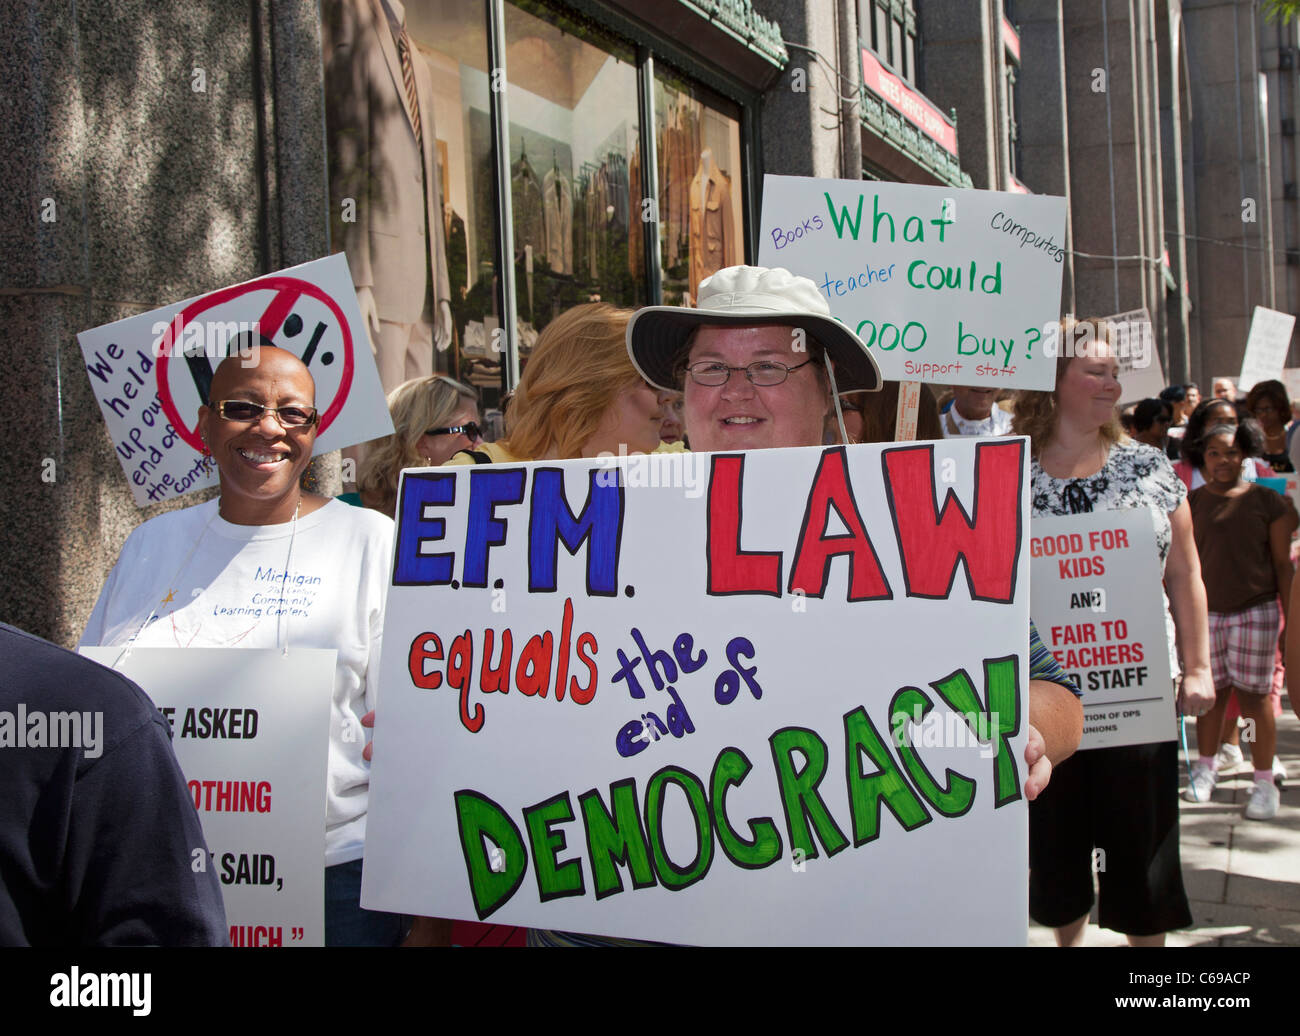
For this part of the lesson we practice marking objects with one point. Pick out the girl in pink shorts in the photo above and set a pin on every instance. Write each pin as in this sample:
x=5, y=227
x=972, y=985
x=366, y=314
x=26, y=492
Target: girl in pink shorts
x=1243, y=535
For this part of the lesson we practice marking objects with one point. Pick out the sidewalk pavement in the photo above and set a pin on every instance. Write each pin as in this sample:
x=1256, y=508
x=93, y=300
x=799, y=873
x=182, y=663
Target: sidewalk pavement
x=1242, y=876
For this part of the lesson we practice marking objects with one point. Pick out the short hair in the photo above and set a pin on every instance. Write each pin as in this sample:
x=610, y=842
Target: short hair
x=1273, y=391
x=1174, y=394
x=1146, y=412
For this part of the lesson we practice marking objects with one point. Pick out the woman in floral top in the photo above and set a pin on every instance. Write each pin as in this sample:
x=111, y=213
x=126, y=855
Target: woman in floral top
x=1121, y=800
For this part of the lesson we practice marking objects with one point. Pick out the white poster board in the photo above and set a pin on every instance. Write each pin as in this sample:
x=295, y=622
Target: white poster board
x=693, y=714
x=1266, y=348
x=948, y=286
x=1291, y=379
x=250, y=728
x=150, y=372
x=1140, y=373
x=1099, y=610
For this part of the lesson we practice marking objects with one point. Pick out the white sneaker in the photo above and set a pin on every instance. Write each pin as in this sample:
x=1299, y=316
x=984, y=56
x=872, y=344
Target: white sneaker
x=1279, y=772
x=1201, y=786
x=1229, y=757
x=1263, y=801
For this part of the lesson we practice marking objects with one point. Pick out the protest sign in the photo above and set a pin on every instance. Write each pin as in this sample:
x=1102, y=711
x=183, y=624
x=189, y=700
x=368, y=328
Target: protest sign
x=956, y=287
x=250, y=728
x=1266, y=348
x=758, y=698
x=1291, y=379
x=1098, y=606
x=1140, y=374
x=151, y=372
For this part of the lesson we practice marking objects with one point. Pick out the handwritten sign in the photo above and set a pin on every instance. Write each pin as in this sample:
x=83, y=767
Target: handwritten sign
x=789, y=710
x=1266, y=348
x=151, y=372
x=1098, y=606
x=950, y=286
x=250, y=728
x=1140, y=374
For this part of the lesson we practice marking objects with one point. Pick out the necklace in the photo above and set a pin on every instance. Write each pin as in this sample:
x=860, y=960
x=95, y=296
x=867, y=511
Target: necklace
x=282, y=623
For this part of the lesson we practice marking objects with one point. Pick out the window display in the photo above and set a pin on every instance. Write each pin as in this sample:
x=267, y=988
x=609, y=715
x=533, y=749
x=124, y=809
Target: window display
x=700, y=221
x=574, y=173
x=414, y=177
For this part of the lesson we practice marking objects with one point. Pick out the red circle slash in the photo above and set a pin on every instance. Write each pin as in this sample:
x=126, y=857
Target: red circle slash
x=288, y=290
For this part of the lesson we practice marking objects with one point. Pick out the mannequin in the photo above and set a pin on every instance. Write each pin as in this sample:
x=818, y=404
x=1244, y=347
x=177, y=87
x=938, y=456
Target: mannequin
x=392, y=231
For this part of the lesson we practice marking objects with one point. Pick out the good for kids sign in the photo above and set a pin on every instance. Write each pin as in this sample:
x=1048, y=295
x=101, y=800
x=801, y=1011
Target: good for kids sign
x=250, y=728
x=958, y=287
x=151, y=372
x=1099, y=609
x=767, y=697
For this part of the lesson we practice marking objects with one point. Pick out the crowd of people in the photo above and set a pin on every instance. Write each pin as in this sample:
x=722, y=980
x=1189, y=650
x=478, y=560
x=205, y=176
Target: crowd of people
x=723, y=376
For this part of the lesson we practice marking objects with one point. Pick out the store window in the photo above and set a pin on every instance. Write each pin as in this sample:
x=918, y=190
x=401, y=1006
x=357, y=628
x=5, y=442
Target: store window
x=419, y=235
x=699, y=205
x=451, y=36
x=575, y=169
x=417, y=185
x=889, y=31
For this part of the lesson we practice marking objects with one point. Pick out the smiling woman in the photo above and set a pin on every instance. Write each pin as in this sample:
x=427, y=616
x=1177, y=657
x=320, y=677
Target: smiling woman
x=1081, y=463
x=268, y=566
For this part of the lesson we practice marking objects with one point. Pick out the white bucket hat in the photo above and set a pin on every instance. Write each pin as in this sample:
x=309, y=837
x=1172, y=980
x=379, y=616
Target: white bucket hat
x=744, y=296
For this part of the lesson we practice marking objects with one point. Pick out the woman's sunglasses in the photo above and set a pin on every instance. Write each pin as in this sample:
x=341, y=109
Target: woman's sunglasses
x=244, y=410
x=470, y=430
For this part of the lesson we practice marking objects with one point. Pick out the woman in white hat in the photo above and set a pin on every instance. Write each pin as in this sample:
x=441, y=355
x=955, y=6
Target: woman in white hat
x=774, y=329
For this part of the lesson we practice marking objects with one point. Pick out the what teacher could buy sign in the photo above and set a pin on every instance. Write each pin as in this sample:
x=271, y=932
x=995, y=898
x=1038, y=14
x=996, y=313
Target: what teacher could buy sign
x=768, y=697
x=957, y=287
x=1100, y=611
x=152, y=372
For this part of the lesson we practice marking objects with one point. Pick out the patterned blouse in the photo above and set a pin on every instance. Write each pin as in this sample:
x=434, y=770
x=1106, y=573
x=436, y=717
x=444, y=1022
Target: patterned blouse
x=1134, y=475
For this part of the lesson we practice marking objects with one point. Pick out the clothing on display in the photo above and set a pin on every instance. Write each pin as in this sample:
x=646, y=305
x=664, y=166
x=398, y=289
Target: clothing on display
x=557, y=217
x=713, y=226
x=526, y=200
x=678, y=147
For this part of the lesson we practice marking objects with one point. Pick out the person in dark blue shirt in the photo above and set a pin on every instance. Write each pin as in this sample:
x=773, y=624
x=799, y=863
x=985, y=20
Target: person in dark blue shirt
x=98, y=832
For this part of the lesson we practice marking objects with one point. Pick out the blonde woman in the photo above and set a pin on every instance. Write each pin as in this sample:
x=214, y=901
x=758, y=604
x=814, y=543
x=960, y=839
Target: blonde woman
x=1121, y=800
x=579, y=396
x=434, y=417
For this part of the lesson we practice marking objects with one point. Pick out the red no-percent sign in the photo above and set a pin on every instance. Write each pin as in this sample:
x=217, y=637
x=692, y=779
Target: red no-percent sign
x=288, y=290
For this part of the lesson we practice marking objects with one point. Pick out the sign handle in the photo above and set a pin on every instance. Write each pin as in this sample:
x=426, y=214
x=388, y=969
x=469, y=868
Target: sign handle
x=909, y=403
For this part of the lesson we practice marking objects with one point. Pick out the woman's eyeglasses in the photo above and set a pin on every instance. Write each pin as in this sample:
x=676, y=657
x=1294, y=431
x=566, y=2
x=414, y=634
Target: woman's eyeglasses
x=244, y=410
x=764, y=373
x=470, y=430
